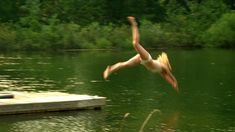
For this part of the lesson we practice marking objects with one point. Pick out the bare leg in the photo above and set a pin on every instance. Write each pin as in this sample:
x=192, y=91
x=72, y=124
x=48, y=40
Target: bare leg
x=120, y=65
x=135, y=36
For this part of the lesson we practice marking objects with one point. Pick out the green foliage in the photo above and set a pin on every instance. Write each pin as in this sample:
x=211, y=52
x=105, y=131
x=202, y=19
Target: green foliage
x=7, y=37
x=71, y=36
x=98, y=36
x=185, y=28
x=10, y=10
x=222, y=32
x=67, y=35
x=32, y=15
x=121, y=37
x=158, y=35
x=62, y=24
x=152, y=34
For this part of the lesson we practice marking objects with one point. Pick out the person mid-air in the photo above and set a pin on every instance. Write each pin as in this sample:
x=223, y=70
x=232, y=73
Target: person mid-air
x=160, y=65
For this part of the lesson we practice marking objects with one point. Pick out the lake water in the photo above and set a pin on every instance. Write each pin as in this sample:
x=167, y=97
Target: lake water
x=205, y=103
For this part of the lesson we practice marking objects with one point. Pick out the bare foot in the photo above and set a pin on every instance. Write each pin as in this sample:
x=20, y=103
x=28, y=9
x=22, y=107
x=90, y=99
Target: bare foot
x=131, y=18
x=106, y=73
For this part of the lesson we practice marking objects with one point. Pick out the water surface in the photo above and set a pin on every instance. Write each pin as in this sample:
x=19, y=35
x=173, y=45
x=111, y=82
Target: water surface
x=206, y=101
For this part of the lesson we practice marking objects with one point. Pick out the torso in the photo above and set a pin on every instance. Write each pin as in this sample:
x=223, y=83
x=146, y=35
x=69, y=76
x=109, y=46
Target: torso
x=154, y=66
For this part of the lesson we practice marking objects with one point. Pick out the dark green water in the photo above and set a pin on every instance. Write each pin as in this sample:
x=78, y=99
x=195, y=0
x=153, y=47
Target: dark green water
x=206, y=102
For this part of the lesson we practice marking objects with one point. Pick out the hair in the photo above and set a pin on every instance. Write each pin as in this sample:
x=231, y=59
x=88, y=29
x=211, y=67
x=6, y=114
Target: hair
x=162, y=58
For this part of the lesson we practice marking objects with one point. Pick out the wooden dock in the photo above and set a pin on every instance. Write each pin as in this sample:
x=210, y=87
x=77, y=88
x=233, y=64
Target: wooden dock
x=28, y=102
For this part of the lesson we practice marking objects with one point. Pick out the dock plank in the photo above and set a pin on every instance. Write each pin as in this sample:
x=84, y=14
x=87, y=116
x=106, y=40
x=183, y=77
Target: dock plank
x=28, y=102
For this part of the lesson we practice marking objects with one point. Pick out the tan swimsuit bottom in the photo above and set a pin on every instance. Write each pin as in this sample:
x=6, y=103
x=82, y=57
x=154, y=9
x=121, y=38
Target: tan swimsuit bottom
x=157, y=65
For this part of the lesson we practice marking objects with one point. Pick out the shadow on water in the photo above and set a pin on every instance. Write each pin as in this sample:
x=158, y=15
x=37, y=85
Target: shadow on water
x=205, y=102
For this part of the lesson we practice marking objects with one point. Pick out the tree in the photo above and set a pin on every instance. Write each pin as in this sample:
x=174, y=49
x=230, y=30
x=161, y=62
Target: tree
x=222, y=32
x=10, y=10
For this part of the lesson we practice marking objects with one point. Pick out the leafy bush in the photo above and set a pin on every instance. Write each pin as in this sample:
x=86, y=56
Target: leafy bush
x=7, y=37
x=121, y=37
x=185, y=28
x=222, y=32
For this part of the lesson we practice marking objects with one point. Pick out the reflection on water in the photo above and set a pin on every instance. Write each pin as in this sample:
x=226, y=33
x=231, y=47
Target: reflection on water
x=205, y=102
x=170, y=123
x=59, y=122
x=26, y=84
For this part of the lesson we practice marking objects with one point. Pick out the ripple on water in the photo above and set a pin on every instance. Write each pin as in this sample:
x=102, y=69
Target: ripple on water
x=74, y=122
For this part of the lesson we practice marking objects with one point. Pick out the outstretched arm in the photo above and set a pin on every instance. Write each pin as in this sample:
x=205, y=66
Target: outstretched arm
x=167, y=75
